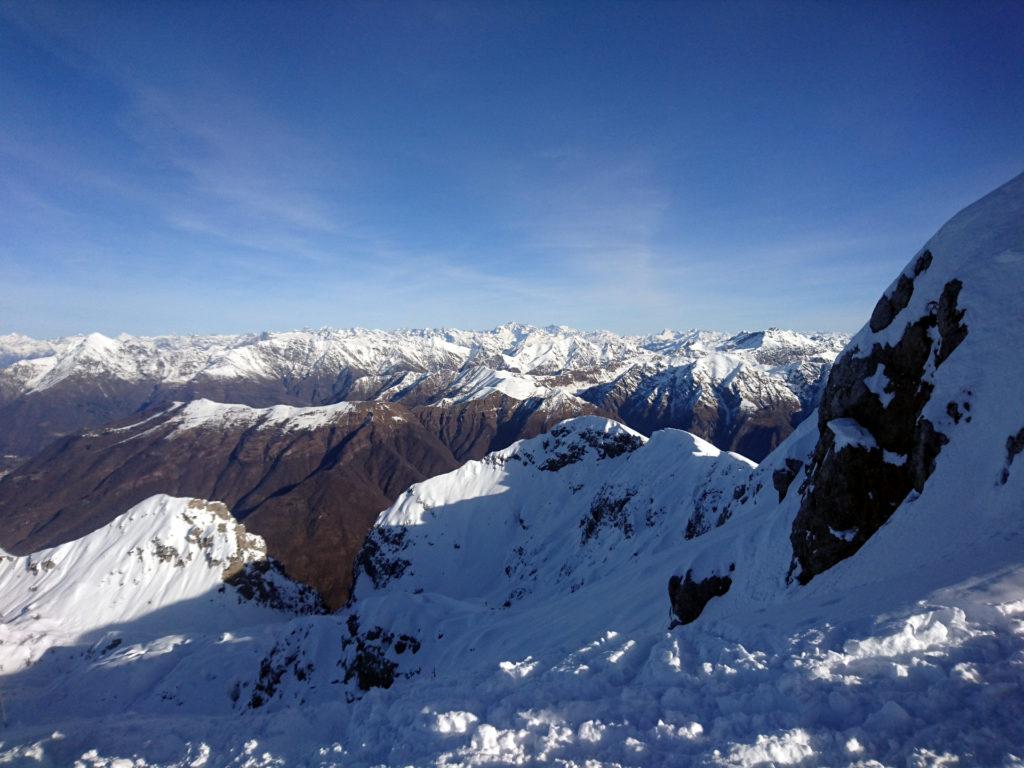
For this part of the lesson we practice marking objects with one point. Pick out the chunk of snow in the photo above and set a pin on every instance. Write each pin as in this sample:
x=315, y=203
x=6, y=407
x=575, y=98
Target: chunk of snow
x=877, y=383
x=518, y=669
x=850, y=434
x=788, y=748
x=454, y=722
x=896, y=459
x=849, y=535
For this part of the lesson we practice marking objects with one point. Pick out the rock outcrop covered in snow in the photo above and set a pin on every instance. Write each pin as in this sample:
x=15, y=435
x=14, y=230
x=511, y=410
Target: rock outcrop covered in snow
x=913, y=380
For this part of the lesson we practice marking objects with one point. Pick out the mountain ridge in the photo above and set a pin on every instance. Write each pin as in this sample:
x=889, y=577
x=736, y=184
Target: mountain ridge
x=84, y=382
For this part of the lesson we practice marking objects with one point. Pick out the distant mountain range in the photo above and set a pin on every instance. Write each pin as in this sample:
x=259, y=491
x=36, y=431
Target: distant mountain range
x=743, y=392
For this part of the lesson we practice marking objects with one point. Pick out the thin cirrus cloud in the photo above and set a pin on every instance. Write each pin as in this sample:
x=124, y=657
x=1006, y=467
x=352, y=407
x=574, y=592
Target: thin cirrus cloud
x=230, y=167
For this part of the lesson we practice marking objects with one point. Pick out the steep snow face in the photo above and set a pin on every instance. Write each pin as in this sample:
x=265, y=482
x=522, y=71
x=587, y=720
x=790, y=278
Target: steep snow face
x=162, y=553
x=513, y=542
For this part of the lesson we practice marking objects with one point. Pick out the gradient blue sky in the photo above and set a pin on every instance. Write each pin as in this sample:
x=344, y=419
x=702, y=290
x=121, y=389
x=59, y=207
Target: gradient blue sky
x=213, y=167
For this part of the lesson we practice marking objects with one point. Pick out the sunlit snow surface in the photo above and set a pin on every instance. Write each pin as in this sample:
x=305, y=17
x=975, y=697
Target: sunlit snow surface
x=842, y=672
x=536, y=584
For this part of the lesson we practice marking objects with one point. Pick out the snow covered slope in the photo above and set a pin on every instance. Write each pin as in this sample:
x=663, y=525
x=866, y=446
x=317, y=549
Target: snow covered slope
x=162, y=553
x=508, y=546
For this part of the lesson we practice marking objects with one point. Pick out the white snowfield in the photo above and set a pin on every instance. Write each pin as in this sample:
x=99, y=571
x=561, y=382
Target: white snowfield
x=207, y=414
x=519, y=607
x=519, y=361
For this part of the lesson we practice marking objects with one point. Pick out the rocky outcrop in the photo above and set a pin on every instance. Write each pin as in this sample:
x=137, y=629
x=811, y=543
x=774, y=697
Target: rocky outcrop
x=1014, y=447
x=783, y=477
x=875, y=445
x=688, y=596
x=369, y=659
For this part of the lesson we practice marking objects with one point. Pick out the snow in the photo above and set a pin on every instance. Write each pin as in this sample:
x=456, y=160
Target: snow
x=17, y=346
x=790, y=748
x=877, y=383
x=477, y=383
x=534, y=582
x=849, y=535
x=896, y=459
x=206, y=414
x=848, y=433
x=162, y=553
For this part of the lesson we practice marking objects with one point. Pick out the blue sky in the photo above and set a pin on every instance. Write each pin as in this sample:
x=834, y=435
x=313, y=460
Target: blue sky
x=217, y=167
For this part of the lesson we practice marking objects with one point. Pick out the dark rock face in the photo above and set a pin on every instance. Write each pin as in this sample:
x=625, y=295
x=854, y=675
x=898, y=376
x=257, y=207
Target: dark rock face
x=1014, y=447
x=783, y=478
x=891, y=304
x=851, y=490
x=688, y=597
x=607, y=511
x=284, y=660
x=573, y=447
x=258, y=582
x=369, y=655
x=380, y=558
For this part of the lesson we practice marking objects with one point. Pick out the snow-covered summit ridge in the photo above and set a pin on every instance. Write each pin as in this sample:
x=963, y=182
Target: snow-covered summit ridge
x=163, y=552
x=207, y=414
x=587, y=515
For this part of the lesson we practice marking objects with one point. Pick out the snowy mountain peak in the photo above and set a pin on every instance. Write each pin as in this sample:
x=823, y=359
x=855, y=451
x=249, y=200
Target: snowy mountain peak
x=161, y=552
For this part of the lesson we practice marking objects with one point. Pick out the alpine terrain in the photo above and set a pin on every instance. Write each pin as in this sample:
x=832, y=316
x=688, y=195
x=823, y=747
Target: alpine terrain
x=309, y=435
x=604, y=592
